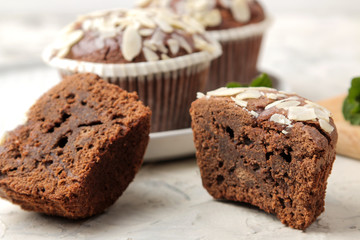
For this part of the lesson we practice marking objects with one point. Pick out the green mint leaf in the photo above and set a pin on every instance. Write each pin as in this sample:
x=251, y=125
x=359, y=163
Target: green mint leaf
x=351, y=105
x=262, y=80
x=235, y=85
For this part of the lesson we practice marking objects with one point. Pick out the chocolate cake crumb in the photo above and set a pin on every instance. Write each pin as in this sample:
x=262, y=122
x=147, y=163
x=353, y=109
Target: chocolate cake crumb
x=278, y=159
x=81, y=146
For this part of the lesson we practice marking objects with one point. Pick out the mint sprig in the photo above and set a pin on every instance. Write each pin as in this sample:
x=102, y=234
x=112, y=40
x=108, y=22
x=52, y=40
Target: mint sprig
x=263, y=80
x=351, y=105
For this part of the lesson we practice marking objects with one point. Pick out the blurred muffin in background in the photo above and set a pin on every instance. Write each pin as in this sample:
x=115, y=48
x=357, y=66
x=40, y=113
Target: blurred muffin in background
x=238, y=25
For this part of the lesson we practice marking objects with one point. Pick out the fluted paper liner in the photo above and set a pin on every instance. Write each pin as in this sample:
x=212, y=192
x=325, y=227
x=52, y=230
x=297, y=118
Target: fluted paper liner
x=241, y=47
x=168, y=86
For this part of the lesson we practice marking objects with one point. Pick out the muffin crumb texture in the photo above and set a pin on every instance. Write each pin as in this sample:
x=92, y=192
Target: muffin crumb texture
x=81, y=146
x=271, y=149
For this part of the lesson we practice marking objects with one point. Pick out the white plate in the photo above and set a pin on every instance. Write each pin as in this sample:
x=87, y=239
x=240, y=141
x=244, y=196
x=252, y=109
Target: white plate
x=170, y=145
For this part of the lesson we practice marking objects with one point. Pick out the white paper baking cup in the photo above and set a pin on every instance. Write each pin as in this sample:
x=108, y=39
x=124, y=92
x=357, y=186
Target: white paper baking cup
x=243, y=32
x=168, y=86
x=241, y=47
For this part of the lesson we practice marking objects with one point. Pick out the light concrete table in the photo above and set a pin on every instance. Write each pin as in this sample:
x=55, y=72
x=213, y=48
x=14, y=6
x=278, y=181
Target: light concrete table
x=312, y=45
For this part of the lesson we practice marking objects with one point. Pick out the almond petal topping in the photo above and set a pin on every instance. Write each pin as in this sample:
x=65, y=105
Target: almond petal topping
x=131, y=44
x=150, y=55
x=241, y=10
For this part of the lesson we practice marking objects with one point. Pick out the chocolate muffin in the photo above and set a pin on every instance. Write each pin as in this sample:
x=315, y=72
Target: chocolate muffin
x=163, y=57
x=238, y=25
x=81, y=146
x=271, y=149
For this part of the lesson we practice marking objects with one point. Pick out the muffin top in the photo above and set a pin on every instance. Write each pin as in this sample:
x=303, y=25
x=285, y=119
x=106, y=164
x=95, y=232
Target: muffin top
x=124, y=36
x=285, y=109
x=214, y=14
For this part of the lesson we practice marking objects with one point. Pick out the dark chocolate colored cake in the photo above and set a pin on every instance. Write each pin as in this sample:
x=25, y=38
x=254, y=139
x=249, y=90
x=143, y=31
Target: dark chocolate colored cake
x=214, y=14
x=271, y=149
x=81, y=146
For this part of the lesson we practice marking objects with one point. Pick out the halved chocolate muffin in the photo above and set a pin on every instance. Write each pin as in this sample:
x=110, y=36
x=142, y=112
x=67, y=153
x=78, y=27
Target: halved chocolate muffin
x=271, y=149
x=81, y=146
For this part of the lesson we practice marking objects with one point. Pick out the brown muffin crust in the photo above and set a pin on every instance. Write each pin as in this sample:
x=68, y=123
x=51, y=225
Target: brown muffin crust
x=80, y=148
x=228, y=20
x=130, y=36
x=244, y=155
x=223, y=8
x=86, y=50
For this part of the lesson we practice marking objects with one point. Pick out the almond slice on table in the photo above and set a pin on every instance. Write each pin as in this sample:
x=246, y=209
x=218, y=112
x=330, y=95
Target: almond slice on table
x=349, y=135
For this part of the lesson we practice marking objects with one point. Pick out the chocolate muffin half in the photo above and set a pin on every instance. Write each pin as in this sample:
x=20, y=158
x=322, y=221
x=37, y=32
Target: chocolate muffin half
x=81, y=146
x=271, y=149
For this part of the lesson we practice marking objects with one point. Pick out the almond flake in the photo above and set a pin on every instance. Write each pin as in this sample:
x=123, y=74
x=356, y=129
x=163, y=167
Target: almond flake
x=273, y=104
x=150, y=44
x=263, y=88
x=73, y=37
x=199, y=95
x=131, y=43
x=326, y=126
x=301, y=113
x=315, y=105
x=321, y=114
x=255, y=114
x=192, y=25
x=225, y=92
x=183, y=43
x=292, y=98
x=86, y=25
x=211, y=18
x=241, y=10
x=145, y=32
x=275, y=96
x=240, y=102
x=287, y=104
x=146, y=21
x=202, y=45
x=248, y=94
x=164, y=56
x=161, y=47
x=3, y=138
x=143, y=3
x=150, y=55
x=284, y=132
x=63, y=52
x=164, y=26
x=279, y=118
x=272, y=96
x=200, y=5
x=173, y=45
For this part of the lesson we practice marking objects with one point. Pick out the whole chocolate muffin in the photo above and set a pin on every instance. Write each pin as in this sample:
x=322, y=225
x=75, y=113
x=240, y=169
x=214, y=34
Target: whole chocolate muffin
x=81, y=146
x=271, y=149
x=163, y=57
x=238, y=25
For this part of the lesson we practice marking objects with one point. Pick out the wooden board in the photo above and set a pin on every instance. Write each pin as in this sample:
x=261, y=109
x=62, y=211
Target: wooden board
x=349, y=135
